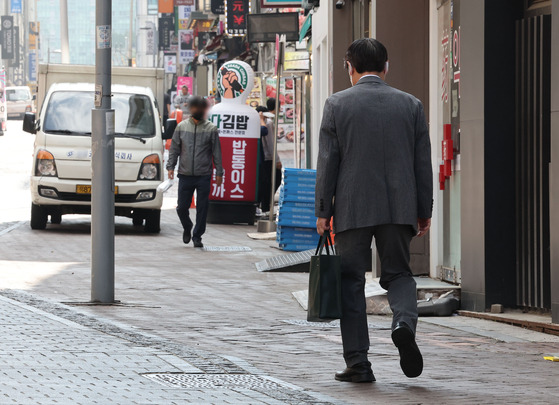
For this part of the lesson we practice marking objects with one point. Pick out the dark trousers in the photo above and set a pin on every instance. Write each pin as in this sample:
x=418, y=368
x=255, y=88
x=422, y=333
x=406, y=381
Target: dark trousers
x=265, y=182
x=393, y=246
x=187, y=186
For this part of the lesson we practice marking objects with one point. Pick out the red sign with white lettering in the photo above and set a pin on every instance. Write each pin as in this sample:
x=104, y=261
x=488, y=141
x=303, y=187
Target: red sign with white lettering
x=239, y=163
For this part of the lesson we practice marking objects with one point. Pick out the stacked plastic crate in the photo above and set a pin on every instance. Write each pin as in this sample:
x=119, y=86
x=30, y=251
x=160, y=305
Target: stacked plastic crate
x=296, y=219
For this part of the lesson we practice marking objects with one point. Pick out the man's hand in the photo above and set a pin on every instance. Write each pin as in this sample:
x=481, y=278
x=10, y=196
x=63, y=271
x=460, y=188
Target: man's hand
x=171, y=174
x=322, y=225
x=423, y=225
x=219, y=181
x=278, y=165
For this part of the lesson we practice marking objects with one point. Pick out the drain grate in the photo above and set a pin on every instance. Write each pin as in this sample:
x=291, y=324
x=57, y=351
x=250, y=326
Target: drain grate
x=227, y=249
x=332, y=324
x=292, y=262
x=208, y=381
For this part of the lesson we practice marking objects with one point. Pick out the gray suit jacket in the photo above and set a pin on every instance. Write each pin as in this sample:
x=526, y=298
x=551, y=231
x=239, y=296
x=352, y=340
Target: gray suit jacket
x=374, y=159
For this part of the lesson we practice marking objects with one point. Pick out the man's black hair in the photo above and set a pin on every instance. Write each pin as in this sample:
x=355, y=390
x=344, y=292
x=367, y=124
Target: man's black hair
x=367, y=55
x=261, y=108
x=198, y=102
x=184, y=87
x=271, y=104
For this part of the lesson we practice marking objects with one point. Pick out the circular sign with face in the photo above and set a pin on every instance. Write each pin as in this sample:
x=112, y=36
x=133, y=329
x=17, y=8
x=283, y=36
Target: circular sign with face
x=235, y=79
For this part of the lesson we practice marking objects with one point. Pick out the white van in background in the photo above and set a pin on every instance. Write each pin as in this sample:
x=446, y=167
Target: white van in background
x=61, y=177
x=18, y=101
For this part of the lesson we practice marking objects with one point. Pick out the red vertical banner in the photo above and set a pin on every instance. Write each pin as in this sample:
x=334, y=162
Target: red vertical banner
x=240, y=166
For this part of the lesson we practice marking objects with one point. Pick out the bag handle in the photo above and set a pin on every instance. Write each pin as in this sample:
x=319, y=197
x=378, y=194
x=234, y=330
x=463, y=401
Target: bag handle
x=325, y=240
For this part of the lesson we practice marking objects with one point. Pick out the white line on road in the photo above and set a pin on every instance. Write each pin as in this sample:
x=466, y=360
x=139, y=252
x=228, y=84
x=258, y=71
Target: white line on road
x=11, y=228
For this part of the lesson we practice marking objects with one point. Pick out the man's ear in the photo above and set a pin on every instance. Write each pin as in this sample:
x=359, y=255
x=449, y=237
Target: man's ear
x=350, y=68
x=386, y=65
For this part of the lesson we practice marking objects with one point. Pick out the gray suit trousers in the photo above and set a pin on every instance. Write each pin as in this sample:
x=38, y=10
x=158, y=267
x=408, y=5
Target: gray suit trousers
x=393, y=246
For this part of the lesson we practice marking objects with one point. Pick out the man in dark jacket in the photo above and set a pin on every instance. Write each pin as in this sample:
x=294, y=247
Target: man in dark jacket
x=196, y=146
x=375, y=178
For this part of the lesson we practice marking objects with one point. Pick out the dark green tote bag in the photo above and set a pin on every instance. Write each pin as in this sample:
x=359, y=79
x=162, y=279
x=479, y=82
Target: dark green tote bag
x=325, y=293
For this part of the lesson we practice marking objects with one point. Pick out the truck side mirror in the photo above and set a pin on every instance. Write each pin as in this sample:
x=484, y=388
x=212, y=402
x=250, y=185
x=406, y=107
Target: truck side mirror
x=29, y=124
x=170, y=127
x=34, y=97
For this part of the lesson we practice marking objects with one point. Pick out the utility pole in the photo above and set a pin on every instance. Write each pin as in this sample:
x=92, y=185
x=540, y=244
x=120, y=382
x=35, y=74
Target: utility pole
x=64, y=44
x=130, y=33
x=269, y=225
x=103, y=164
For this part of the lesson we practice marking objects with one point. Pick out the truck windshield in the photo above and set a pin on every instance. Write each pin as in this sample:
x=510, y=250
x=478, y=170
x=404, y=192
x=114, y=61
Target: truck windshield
x=69, y=113
x=18, y=95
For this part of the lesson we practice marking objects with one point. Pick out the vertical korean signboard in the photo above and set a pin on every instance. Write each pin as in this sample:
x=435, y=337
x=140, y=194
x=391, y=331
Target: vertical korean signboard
x=8, y=45
x=239, y=132
x=236, y=17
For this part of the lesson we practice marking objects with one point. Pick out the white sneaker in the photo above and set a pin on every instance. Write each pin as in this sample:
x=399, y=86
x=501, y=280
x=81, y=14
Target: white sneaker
x=259, y=212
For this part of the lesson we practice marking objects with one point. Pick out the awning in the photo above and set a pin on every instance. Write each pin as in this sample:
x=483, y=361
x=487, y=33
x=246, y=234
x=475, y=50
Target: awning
x=305, y=28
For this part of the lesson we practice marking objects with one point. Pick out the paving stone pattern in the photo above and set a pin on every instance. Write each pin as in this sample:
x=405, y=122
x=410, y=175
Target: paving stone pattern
x=64, y=357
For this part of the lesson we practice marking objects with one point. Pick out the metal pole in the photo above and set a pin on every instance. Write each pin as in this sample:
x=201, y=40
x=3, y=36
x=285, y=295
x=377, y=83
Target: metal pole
x=102, y=164
x=270, y=224
x=271, y=217
x=64, y=44
x=297, y=120
x=130, y=33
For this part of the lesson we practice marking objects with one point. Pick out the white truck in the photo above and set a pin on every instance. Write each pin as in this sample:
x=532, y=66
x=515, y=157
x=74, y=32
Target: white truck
x=61, y=173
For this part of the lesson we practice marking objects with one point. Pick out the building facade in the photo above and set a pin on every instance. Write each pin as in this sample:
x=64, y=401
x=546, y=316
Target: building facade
x=81, y=30
x=487, y=72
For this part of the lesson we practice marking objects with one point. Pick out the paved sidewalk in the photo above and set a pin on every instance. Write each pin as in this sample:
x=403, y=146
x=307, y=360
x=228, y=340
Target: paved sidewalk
x=48, y=359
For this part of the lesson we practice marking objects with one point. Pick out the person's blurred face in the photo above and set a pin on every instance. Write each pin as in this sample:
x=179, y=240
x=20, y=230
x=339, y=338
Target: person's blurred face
x=198, y=113
x=184, y=91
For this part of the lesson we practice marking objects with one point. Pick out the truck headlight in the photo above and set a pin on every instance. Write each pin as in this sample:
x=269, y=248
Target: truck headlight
x=45, y=165
x=150, y=168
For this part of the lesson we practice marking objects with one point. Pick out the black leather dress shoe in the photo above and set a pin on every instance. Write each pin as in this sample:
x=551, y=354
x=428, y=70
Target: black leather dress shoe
x=360, y=373
x=198, y=243
x=411, y=359
x=186, y=237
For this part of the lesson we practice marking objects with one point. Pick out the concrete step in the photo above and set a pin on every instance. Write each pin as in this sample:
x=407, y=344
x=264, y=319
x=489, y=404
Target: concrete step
x=377, y=301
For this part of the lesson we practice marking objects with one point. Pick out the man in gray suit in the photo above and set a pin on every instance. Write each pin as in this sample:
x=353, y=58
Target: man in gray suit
x=375, y=178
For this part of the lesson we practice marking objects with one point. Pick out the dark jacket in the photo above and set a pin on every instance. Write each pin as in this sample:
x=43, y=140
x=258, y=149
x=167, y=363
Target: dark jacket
x=198, y=147
x=374, y=159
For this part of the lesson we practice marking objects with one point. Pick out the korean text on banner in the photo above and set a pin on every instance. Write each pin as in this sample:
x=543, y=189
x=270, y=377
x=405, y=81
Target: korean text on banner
x=239, y=133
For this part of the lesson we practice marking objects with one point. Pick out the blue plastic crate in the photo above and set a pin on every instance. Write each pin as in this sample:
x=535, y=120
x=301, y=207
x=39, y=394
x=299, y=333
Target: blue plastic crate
x=286, y=233
x=302, y=197
x=288, y=172
x=296, y=247
x=287, y=209
x=297, y=222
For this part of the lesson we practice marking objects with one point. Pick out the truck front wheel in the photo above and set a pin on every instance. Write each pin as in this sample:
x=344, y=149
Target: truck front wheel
x=153, y=219
x=39, y=217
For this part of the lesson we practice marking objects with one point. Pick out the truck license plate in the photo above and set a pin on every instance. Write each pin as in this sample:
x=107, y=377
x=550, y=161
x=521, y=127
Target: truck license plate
x=86, y=189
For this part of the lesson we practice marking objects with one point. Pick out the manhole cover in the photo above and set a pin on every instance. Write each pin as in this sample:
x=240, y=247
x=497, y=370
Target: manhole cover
x=332, y=324
x=227, y=249
x=192, y=381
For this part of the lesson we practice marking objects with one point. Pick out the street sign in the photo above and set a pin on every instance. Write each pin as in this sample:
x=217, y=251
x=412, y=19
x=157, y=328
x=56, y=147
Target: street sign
x=218, y=7
x=281, y=3
x=32, y=68
x=236, y=12
x=7, y=33
x=16, y=6
x=15, y=61
x=166, y=25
